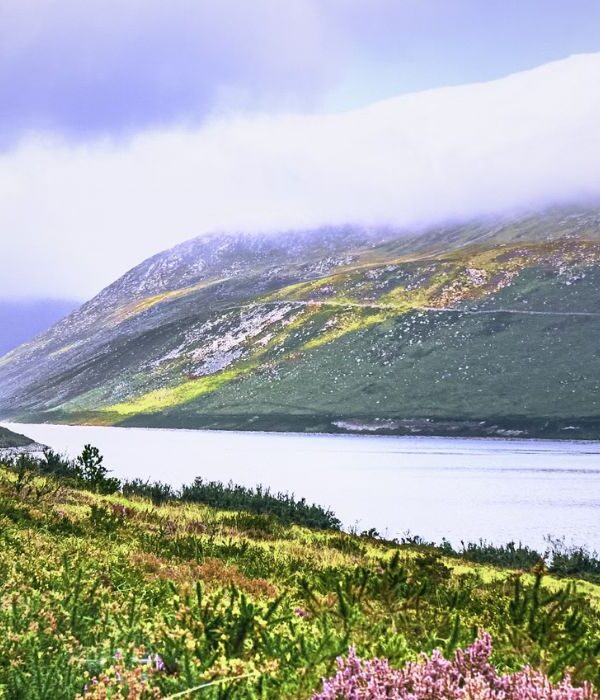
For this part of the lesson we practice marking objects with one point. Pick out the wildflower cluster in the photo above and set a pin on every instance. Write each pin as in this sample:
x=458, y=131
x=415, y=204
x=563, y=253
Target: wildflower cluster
x=468, y=676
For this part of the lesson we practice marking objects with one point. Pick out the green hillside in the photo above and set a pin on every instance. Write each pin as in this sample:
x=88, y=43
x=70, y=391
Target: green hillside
x=133, y=596
x=489, y=328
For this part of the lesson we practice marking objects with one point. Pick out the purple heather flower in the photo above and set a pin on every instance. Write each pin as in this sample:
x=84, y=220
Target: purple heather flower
x=469, y=675
x=159, y=664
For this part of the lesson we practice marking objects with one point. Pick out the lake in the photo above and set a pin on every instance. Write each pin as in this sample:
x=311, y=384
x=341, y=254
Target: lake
x=461, y=489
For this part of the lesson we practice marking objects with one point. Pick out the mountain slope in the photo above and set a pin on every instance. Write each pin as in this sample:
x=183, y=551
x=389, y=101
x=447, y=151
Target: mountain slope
x=486, y=328
x=8, y=439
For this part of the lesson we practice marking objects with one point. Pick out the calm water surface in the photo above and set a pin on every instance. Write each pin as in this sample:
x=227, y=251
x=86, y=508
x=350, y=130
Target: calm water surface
x=435, y=487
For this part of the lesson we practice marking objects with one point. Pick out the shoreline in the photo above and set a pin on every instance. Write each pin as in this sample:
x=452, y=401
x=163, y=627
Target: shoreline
x=459, y=488
x=499, y=439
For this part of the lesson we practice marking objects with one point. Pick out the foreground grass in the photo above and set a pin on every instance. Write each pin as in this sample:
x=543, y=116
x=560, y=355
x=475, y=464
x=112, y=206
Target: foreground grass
x=108, y=596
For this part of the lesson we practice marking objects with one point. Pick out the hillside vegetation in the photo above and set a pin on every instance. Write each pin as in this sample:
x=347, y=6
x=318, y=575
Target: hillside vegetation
x=142, y=596
x=9, y=439
x=487, y=328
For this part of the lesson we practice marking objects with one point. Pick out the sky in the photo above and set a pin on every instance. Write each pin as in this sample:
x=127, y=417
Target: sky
x=127, y=126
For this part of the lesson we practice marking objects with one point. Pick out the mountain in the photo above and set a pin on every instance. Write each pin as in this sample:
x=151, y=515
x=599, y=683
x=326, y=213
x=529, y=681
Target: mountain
x=488, y=327
x=23, y=320
x=8, y=439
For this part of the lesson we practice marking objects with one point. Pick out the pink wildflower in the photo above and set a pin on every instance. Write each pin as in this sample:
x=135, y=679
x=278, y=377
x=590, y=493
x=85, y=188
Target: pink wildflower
x=469, y=676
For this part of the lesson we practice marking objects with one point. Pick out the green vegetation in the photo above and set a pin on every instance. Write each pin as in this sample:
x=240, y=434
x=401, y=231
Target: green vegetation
x=88, y=472
x=432, y=372
x=481, y=329
x=559, y=559
x=131, y=591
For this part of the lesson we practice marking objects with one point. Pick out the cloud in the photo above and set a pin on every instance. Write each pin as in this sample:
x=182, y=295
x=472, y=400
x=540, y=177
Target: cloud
x=75, y=216
x=90, y=68
x=113, y=66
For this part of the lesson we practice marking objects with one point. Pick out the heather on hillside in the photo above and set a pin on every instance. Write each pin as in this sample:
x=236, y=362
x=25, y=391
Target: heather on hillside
x=468, y=676
x=124, y=595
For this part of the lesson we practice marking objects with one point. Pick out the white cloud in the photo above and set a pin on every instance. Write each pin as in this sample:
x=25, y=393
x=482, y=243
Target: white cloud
x=73, y=217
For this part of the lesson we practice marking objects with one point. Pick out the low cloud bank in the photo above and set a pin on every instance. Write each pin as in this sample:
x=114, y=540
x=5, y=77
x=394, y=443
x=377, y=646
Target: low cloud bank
x=72, y=218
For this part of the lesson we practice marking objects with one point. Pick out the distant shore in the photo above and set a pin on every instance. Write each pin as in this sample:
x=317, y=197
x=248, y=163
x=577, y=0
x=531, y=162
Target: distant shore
x=576, y=430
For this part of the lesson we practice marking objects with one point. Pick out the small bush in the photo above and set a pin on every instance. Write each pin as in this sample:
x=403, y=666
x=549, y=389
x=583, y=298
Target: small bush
x=94, y=473
x=156, y=491
x=259, y=500
x=574, y=561
x=511, y=555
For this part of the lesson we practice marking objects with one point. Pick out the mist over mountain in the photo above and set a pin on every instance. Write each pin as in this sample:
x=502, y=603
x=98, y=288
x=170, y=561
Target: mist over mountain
x=488, y=327
x=520, y=143
x=22, y=320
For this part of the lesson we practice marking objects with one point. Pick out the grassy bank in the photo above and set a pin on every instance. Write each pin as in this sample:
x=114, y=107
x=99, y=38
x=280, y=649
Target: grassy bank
x=153, y=595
